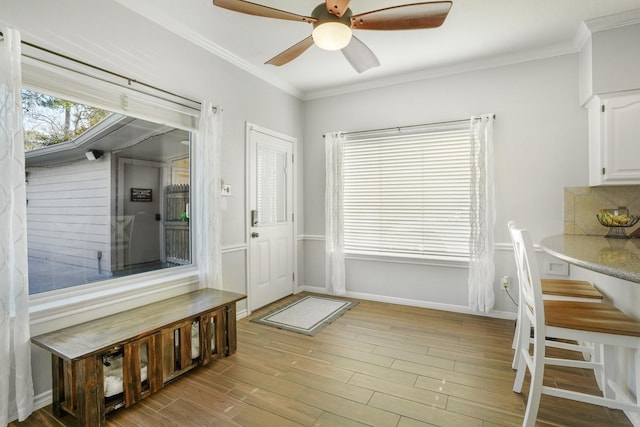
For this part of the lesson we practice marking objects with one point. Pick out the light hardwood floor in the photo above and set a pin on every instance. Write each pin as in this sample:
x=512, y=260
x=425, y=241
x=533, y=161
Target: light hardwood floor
x=378, y=365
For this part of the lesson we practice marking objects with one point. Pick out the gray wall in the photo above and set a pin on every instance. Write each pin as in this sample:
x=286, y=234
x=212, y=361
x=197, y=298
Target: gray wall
x=540, y=142
x=540, y=137
x=105, y=34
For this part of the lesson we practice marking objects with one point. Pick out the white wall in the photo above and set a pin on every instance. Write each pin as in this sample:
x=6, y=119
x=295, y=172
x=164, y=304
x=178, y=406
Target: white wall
x=541, y=146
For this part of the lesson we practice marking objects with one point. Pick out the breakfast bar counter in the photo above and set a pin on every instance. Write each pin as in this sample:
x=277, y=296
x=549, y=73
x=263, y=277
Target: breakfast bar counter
x=614, y=257
x=613, y=267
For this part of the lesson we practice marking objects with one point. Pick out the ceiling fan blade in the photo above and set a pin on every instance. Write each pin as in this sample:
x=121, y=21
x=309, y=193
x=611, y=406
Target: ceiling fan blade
x=292, y=53
x=260, y=10
x=337, y=7
x=406, y=17
x=359, y=55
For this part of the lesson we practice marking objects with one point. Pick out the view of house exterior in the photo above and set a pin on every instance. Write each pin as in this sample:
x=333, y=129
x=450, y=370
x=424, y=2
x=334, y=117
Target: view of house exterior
x=84, y=223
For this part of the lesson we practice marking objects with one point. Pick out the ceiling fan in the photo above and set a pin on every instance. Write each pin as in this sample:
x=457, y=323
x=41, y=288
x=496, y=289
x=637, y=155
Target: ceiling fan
x=333, y=21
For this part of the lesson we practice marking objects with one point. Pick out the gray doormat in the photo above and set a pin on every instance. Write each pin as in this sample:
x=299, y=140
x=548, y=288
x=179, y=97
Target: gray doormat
x=307, y=315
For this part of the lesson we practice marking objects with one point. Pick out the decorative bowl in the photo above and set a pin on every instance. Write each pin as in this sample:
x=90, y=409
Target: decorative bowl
x=617, y=220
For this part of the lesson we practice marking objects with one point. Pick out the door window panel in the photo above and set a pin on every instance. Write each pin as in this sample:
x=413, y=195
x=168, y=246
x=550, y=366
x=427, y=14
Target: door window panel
x=272, y=186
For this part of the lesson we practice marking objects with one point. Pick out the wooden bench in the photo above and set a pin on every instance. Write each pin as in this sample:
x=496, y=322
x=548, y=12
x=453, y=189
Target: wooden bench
x=153, y=344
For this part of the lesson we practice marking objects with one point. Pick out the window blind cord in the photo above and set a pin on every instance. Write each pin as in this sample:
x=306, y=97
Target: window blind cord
x=129, y=81
x=403, y=128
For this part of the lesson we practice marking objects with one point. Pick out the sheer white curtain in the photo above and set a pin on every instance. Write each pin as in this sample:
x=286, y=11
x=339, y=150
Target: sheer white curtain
x=333, y=211
x=15, y=350
x=206, y=185
x=482, y=216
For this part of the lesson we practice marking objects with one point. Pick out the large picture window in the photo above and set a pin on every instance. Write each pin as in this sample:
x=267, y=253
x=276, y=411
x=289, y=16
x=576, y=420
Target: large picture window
x=108, y=195
x=407, y=192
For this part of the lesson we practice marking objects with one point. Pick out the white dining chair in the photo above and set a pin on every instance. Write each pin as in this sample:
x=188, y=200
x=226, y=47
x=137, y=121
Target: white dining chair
x=559, y=290
x=602, y=324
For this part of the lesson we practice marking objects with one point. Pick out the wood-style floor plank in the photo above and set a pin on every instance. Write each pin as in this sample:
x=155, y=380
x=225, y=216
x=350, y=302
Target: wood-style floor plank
x=377, y=365
x=423, y=411
x=336, y=388
x=423, y=359
x=279, y=405
x=366, y=414
x=411, y=393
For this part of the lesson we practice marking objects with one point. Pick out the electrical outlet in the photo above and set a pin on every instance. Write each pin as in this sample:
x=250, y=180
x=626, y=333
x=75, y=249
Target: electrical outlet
x=506, y=282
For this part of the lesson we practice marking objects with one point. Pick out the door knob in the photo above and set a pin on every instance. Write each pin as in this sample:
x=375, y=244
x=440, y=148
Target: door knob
x=255, y=234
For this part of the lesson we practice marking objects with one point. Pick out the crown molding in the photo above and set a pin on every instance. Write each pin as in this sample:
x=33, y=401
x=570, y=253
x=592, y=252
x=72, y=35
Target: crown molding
x=582, y=36
x=617, y=20
x=230, y=57
x=188, y=34
x=588, y=27
x=432, y=73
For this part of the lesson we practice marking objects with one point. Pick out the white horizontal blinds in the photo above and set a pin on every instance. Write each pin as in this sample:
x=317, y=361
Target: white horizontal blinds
x=65, y=80
x=408, y=192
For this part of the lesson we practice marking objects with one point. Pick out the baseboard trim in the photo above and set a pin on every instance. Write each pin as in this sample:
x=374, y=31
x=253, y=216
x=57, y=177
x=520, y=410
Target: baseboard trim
x=413, y=303
x=42, y=400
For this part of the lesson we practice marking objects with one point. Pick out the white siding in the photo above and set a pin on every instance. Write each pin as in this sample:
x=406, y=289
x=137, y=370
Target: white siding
x=68, y=217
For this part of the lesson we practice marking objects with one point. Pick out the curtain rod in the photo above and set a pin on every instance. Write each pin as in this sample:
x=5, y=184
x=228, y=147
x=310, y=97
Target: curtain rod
x=405, y=127
x=129, y=80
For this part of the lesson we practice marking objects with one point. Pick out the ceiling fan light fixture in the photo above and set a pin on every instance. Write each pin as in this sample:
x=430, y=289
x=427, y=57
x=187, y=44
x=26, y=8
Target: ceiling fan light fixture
x=333, y=20
x=331, y=35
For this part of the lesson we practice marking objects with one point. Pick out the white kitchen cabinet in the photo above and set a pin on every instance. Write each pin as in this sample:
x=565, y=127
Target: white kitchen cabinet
x=614, y=139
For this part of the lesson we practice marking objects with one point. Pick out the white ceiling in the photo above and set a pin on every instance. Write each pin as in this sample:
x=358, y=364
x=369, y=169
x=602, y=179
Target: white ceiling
x=476, y=34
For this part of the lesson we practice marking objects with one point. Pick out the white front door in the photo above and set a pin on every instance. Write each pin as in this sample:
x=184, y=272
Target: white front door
x=270, y=216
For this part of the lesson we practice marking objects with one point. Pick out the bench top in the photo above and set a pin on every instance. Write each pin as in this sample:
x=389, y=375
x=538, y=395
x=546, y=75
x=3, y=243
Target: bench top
x=98, y=335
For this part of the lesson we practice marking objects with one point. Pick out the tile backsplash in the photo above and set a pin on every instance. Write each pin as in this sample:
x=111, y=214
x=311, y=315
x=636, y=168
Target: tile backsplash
x=581, y=204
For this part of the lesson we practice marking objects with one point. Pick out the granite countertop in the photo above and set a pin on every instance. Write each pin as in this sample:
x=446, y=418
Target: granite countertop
x=614, y=257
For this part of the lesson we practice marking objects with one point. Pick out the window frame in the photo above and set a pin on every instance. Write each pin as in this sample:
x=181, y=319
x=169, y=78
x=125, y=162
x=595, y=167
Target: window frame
x=387, y=135
x=66, y=79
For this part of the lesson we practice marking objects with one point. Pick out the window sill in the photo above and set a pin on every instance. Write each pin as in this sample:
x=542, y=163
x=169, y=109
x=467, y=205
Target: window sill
x=404, y=259
x=110, y=295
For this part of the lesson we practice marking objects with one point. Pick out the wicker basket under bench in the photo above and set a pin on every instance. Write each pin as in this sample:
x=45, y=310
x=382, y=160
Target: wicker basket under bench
x=147, y=346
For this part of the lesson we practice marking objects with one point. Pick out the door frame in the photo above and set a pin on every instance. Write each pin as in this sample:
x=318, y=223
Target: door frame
x=247, y=214
x=164, y=179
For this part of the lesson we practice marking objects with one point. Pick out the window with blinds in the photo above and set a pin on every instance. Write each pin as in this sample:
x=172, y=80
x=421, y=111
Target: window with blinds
x=407, y=192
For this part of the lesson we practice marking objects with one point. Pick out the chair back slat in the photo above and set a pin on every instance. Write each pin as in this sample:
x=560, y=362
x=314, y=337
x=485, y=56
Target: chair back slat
x=512, y=226
x=528, y=276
